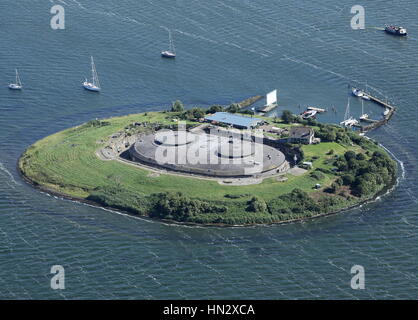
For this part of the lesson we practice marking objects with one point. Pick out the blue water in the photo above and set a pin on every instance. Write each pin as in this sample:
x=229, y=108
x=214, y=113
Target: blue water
x=227, y=51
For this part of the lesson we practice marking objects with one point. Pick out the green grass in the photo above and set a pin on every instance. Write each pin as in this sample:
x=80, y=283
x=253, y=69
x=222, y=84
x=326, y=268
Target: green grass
x=66, y=162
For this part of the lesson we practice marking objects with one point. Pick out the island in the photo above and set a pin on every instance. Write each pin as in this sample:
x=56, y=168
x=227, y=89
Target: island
x=306, y=169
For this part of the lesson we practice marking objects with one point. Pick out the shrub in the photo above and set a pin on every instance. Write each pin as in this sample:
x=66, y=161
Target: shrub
x=233, y=108
x=317, y=175
x=257, y=205
x=348, y=179
x=180, y=208
x=214, y=109
x=288, y=117
x=177, y=106
x=192, y=114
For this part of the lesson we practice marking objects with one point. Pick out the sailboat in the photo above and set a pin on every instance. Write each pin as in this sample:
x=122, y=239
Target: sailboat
x=364, y=116
x=171, y=52
x=17, y=85
x=94, y=85
x=348, y=120
x=360, y=94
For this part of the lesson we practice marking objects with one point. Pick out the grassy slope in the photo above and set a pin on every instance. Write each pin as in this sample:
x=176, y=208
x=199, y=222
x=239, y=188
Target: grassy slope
x=66, y=162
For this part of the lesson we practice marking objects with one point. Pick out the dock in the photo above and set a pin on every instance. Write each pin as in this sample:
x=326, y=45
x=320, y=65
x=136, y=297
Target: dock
x=374, y=124
x=370, y=120
x=268, y=108
x=320, y=110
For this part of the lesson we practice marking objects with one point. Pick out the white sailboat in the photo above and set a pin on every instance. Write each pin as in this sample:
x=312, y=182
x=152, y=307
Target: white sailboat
x=364, y=116
x=17, y=85
x=171, y=52
x=348, y=120
x=94, y=85
x=359, y=93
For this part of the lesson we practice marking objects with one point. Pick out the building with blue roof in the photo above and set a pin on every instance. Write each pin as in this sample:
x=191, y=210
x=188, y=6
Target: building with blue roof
x=235, y=120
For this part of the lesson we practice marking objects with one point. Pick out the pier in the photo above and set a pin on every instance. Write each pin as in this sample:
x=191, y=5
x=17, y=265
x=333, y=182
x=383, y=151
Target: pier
x=374, y=124
x=268, y=108
x=320, y=110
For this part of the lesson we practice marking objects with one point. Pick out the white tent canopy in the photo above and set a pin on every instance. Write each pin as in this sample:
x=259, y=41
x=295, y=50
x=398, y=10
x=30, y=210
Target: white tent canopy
x=272, y=97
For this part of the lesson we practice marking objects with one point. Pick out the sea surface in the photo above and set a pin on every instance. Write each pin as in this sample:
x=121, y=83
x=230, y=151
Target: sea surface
x=227, y=51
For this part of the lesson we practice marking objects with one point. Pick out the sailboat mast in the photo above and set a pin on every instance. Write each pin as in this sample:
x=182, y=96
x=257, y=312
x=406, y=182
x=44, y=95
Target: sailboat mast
x=95, y=78
x=172, y=49
x=92, y=71
x=347, y=110
x=17, y=78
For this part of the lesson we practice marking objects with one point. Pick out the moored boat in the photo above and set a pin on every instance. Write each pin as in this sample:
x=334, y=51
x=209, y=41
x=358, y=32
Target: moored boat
x=360, y=94
x=308, y=114
x=348, y=120
x=363, y=116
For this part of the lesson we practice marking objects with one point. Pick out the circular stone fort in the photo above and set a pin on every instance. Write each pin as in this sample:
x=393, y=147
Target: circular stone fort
x=218, y=153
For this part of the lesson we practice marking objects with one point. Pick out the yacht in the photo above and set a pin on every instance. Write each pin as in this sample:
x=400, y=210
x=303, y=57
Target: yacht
x=348, y=121
x=359, y=93
x=94, y=85
x=309, y=114
x=396, y=30
x=364, y=116
x=17, y=85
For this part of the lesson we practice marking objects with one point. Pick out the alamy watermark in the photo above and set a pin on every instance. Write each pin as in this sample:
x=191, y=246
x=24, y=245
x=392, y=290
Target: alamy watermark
x=358, y=22
x=58, y=280
x=58, y=19
x=358, y=281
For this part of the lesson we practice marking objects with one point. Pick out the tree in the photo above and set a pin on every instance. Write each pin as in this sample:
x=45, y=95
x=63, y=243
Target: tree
x=333, y=188
x=250, y=112
x=257, y=205
x=215, y=108
x=198, y=113
x=364, y=185
x=233, y=108
x=177, y=106
x=192, y=114
x=179, y=207
x=287, y=116
x=348, y=179
x=361, y=157
x=350, y=155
